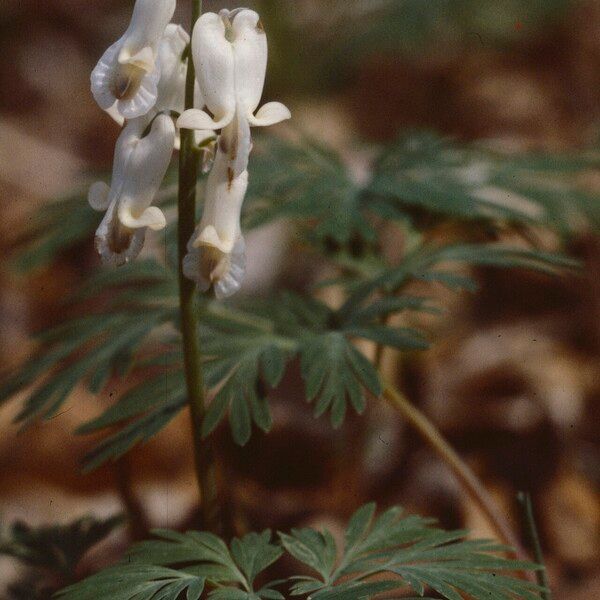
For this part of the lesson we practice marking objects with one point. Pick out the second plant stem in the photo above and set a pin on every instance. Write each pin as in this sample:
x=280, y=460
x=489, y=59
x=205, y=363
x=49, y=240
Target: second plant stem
x=188, y=176
x=460, y=469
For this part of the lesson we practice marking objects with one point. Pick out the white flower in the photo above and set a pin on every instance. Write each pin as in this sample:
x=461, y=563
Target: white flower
x=173, y=70
x=140, y=164
x=217, y=251
x=126, y=78
x=230, y=55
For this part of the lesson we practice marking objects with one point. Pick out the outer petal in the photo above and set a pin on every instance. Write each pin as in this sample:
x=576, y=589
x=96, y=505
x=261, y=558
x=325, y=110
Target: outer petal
x=144, y=99
x=102, y=76
x=251, y=53
x=220, y=224
x=127, y=72
x=198, y=119
x=99, y=196
x=115, y=115
x=148, y=23
x=116, y=244
x=143, y=59
x=171, y=87
x=216, y=252
x=270, y=114
x=214, y=61
x=146, y=168
x=227, y=275
x=236, y=142
x=231, y=282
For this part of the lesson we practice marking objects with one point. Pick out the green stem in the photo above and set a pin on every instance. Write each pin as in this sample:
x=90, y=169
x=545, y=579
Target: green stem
x=188, y=176
x=460, y=469
x=136, y=517
x=534, y=540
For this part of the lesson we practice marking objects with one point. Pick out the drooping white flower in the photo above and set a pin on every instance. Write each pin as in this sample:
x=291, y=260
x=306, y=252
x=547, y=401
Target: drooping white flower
x=173, y=74
x=230, y=55
x=127, y=76
x=217, y=251
x=140, y=164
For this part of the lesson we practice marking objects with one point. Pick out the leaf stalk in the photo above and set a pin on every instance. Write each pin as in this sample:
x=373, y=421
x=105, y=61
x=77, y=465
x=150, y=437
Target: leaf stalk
x=461, y=470
x=534, y=540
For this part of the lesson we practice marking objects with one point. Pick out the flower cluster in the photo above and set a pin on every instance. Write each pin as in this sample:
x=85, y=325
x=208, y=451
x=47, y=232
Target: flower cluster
x=140, y=82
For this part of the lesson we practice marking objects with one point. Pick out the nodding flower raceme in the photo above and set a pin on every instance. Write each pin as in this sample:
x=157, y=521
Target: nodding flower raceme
x=140, y=164
x=141, y=161
x=230, y=55
x=127, y=76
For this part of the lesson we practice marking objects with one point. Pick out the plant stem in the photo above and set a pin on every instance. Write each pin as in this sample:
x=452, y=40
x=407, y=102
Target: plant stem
x=460, y=469
x=188, y=175
x=136, y=517
x=534, y=540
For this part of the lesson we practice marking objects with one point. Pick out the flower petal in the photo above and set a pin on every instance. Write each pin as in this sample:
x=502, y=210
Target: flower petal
x=173, y=71
x=152, y=217
x=209, y=237
x=222, y=206
x=145, y=98
x=235, y=141
x=143, y=59
x=270, y=114
x=115, y=115
x=127, y=71
x=198, y=119
x=251, y=53
x=148, y=23
x=145, y=171
x=102, y=77
x=231, y=282
x=214, y=62
x=118, y=245
x=224, y=271
x=99, y=196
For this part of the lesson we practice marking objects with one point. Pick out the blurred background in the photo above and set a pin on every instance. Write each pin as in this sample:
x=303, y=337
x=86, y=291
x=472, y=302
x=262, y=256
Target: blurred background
x=514, y=381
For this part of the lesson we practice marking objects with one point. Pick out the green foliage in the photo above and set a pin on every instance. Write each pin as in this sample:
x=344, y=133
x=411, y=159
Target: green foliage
x=58, y=227
x=57, y=548
x=310, y=184
x=431, y=264
x=410, y=553
x=349, y=31
x=391, y=552
x=252, y=348
x=142, y=582
x=201, y=559
x=243, y=361
x=142, y=412
x=91, y=348
x=128, y=318
x=439, y=176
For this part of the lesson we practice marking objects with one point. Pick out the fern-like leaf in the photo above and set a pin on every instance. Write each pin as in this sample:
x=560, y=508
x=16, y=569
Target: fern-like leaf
x=401, y=553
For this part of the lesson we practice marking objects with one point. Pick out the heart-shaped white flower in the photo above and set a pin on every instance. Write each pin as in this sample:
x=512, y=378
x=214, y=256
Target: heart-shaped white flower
x=140, y=164
x=230, y=55
x=127, y=76
x=217, y=251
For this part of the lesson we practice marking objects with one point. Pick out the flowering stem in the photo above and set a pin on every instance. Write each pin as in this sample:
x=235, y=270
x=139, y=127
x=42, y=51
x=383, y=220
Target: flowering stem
x=188, y=175
x=460, y=469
